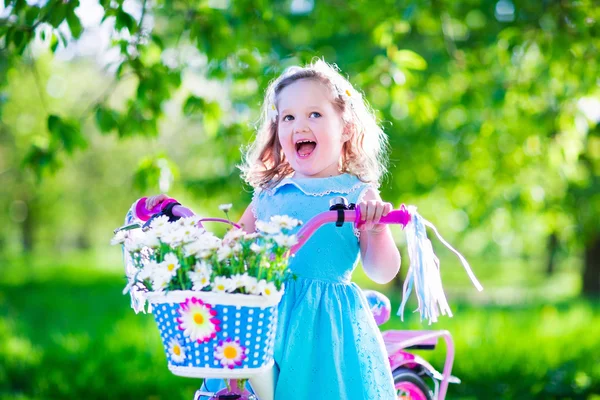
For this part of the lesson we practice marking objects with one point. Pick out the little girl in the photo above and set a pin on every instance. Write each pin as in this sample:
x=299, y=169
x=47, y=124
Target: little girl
x=319, y=140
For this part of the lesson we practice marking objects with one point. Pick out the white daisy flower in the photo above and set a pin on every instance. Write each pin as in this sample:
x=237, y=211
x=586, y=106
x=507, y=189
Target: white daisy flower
x=191, y=222
x=134, y=240
x=251, y=236
x=285, y=240
x=118, y=238
x=285, y=222
x=161, y=222
x=239, y=280
x=190, y=234
x=209, y=241
x=252, y=285
x=236, y=248
x=160, y=281
x=225, y=207
x=151, y=240
x=267, y=289
x=234, y=235
x=176, y=351
x=203, y=267
x=150, y=268
x=199, y=279
x=268, y=228
x=173, y=237
x=224, y=253
x=222, y=285
x=170, y=265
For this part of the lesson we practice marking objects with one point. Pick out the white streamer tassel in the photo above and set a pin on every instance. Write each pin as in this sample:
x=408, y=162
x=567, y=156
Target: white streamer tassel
x=424, y=271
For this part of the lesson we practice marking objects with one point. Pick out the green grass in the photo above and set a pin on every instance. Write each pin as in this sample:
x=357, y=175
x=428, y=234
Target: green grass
x=67, y=332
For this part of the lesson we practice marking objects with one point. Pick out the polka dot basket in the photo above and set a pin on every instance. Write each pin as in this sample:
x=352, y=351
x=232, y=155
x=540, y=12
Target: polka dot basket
x=216, y=335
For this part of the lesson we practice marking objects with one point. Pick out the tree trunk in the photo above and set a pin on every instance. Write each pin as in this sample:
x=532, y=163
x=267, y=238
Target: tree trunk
x=552, y=250
x=591, y=269
x=27, y=229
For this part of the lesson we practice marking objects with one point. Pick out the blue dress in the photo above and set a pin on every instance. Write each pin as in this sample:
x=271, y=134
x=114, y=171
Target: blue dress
x=328, y=345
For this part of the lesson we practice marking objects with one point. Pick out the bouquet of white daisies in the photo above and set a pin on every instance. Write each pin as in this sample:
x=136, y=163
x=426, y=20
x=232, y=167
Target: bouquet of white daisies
x=179, y=255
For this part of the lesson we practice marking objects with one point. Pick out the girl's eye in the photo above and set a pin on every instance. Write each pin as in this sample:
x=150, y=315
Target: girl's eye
x=315, y=114
x=287, y=118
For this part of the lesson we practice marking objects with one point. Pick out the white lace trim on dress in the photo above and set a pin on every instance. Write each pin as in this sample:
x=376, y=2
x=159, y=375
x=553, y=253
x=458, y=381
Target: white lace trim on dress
x=306, y=191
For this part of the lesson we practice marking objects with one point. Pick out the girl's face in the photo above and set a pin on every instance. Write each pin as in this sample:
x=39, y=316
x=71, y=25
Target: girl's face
x=310, y=129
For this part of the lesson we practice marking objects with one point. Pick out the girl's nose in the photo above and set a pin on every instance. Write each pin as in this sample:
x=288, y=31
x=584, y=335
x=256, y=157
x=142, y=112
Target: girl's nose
x=301, y=127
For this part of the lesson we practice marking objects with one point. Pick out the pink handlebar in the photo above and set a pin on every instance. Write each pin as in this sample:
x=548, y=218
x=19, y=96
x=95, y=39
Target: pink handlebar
x=400, y=216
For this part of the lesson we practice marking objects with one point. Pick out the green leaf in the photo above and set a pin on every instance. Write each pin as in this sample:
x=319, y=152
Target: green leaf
x=107, y=119
x=18, y=6
x=159, y=42
x=409, y=59
x=54, y=42
x=193, y=105
x=125, y=20
x=74, y=24
x=41, y=160
x=56, y=14
x=66, y=133
x=31, y=15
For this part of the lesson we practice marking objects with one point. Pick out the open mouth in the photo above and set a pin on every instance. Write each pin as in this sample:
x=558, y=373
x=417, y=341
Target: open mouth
x=304, y=148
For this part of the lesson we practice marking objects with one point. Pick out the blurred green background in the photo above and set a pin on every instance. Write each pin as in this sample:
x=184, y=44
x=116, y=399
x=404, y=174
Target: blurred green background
x=492, y=109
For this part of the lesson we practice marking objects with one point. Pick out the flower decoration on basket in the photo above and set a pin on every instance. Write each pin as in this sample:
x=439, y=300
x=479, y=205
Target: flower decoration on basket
x=179, y=255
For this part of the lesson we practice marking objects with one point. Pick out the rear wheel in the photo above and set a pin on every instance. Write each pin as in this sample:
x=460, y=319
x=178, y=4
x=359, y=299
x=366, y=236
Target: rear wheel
x=410, y=386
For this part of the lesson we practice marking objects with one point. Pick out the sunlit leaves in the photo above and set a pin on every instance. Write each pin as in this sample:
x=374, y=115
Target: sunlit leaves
x=65, y=133
x=106, y=119
x=155, y=173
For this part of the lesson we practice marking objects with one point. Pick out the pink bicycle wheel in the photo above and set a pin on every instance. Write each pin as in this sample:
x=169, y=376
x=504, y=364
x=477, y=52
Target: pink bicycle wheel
x=410, y=386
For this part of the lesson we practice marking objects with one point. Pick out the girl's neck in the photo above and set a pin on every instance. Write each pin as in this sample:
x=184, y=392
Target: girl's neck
x=301, y=176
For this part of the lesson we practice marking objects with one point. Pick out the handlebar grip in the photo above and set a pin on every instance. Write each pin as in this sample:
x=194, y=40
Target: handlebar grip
x=400, y=216
x=142, y=213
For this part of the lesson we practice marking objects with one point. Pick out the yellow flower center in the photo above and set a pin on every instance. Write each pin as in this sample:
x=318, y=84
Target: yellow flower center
x=348, y=92
x=177, y=350
x=268, y=291
x=198, y=318
x=230, y=353
x=171, y=267
x=221, y=287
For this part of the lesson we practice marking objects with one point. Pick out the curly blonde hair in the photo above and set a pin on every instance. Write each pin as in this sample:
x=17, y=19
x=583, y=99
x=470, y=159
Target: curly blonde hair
x=363, y=155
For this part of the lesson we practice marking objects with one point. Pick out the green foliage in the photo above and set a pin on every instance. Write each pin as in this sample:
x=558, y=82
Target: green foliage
x=58, y=319
x=485, y=106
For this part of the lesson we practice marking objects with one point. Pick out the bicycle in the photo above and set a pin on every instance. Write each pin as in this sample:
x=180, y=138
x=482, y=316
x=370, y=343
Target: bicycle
x=409, y=370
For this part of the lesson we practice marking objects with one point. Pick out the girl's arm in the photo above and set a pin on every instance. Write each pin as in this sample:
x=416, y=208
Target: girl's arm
x=380, y=256
x=247, y=220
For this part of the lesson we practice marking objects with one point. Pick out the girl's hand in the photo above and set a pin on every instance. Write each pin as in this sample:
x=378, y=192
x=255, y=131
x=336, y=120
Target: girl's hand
x=154, y=200
x=371, y=212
